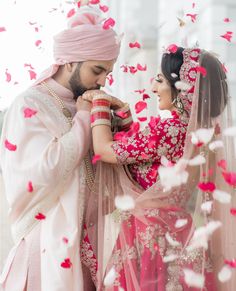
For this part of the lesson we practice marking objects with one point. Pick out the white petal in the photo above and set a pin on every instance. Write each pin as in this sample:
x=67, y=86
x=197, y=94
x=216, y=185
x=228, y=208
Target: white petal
x=173, y=75
x=124, y=202
x=110, y=277
x=225, y=274
x=198, y=160
x=180, y=222
x=193, y=279
x=207, y=206
x=164, y=161
x=184, y=86
x=221, y=196
x=216, y=145
x=231, y=131
x=170, y=258
x=171, y=241
x=204, y=134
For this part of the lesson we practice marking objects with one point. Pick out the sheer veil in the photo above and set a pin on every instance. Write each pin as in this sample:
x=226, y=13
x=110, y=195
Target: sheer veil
x=208, y=104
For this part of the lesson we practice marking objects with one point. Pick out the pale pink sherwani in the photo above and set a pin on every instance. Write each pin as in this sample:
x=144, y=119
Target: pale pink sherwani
x=44, y=179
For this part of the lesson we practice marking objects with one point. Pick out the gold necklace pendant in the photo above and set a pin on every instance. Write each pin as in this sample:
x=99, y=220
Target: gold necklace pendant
x=66, y=112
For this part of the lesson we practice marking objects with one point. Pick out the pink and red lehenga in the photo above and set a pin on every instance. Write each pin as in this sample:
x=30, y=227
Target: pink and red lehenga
x=150, y=246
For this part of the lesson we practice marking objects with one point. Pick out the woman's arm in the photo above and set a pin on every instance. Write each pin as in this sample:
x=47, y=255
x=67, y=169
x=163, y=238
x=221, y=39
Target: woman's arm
x=102, y=143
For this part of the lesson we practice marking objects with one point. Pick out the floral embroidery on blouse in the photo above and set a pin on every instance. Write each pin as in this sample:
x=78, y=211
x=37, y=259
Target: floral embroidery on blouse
x=143, y=151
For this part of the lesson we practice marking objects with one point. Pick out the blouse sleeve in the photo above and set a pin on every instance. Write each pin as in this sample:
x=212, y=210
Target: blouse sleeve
x=165, y=139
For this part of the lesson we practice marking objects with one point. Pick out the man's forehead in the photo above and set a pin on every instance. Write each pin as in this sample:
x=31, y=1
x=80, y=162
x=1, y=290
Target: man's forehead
x=104, y=65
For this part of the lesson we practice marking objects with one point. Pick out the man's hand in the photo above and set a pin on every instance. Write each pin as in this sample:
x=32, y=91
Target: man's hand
x=82, y=104
x=115, y=102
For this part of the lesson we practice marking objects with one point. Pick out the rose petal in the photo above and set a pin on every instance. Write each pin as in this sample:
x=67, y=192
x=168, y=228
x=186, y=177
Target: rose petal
x=225, y=274
x=202, y=135
x=193, y=279
x=2, y=29
x=169, y=258
x=221, y=196
x=216, y=145
x=141, y=68
x=180, y=222
x=10, y=146
x=230, y=178
x=172, y=48
x=110, y=79
x=95, y=159
x=206, y=186
x=38, y=42
x=233, y=211
x=65, y=240
x=228, y=36
x=171, y=241
x=192, y=16
x=207, y=206
x=202, y=71
x=140, y=91
x=140, y=106
x=30, y=187
x=124, y=202
x=110, y=22
x=134, y=45
x=32, y=74
x=198, y=160
x=142, y=119
x=66, y=264
x=222, y=164
x=226, y=20
x=28, y=112
x=231, y=263
x=182, y=85
x=70, y=13
x=146, y=96
x=40, y=216
x=94, y=2
x=104, y=8
x=8, y=76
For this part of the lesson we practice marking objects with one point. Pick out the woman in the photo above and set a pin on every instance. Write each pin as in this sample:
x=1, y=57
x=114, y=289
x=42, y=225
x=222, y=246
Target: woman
x=156, y=247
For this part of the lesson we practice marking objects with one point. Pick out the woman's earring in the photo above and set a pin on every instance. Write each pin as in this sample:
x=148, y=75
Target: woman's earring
x=178, y=104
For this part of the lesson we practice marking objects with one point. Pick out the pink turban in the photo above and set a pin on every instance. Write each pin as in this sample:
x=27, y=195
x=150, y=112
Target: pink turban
x=84, y=40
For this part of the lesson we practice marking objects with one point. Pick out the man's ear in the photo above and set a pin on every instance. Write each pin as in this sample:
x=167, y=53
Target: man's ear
x=70, y=66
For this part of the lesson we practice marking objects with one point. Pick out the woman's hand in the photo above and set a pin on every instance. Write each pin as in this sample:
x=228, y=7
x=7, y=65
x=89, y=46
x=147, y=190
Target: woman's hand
x=82, y=104
x=115, y=102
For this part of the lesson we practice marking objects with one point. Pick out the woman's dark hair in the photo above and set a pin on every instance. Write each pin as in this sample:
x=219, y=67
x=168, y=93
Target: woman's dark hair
x=171, y=64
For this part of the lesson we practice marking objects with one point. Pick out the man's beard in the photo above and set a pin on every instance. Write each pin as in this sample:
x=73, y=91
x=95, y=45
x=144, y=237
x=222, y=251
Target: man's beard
x=76, y=85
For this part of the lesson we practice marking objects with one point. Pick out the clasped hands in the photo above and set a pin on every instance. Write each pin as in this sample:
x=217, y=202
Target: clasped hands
x=90, y=94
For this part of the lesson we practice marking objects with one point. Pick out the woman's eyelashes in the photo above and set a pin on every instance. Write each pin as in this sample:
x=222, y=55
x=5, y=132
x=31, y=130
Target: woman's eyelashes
x=158, y=80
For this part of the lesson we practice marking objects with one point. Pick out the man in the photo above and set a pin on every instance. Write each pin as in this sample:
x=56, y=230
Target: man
x=45, y=140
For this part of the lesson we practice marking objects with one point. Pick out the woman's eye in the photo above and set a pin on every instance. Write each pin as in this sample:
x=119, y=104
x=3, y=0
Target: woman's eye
x=158, y=80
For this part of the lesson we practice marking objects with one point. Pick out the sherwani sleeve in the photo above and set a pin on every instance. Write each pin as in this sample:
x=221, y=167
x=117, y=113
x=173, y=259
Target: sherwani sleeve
x=45, y=153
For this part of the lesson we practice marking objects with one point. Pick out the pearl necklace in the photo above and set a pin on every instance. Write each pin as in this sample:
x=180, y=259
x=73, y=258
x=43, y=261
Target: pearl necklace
x=87, y=160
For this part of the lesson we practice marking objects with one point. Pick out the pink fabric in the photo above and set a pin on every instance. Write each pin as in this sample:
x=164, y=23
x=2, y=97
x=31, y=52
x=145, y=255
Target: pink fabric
x=147, y=262
x=84, y=40
x=50, y=154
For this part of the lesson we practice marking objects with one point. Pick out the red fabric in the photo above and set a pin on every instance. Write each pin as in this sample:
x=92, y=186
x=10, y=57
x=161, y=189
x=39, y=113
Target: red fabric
x=144, y=149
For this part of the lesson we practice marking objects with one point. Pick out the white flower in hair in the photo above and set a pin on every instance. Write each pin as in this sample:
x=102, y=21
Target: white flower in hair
x=182, y=85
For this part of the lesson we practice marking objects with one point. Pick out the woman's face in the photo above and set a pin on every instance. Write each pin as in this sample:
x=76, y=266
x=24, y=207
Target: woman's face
x=162, y=89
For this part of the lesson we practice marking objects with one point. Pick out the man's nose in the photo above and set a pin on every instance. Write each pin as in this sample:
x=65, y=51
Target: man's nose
x=102, y=80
